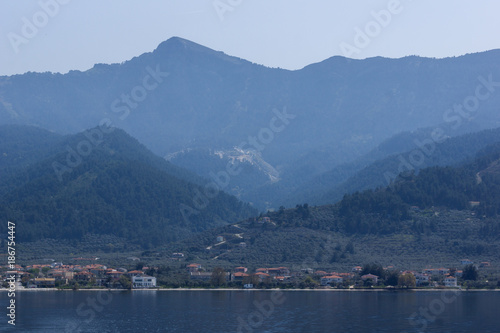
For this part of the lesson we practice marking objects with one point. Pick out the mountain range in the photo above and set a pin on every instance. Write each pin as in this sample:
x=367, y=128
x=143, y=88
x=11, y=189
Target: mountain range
x=196, y=106
x=172, y=147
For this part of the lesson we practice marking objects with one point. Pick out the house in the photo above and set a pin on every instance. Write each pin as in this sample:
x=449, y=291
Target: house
x=345, y=275
x=329, y=279
x=220, y=239
x=239, y=276
x=372, y=277
x=279, y=271
x=202, y=276
x=282, y=278
x=262, y=270
x=421, y=278
x=57, y=274
x=45, y=282
x=357, y=269
x=307, y=271
x=431, y=271
x=265, y=220
x=243, y=244
x=113, y=273
x=484, y=264
x=444, y=271
x=459, y=273
x=68, y=275
x=262, y=276
x=320, y=273
x=83, y=276
x=144, y=281
x=450, y=281
x=135, y=273
x=241, y=269
x=193, y=267
x=178, y=255
x=464, y=262
x=98, y=272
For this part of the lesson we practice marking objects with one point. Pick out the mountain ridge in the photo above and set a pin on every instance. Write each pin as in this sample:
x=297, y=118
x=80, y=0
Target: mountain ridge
x=203, y=99
x=118, y=188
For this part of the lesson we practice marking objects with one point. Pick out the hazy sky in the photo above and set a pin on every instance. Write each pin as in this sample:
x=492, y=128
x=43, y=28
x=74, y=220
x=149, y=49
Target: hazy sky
x=60, y=35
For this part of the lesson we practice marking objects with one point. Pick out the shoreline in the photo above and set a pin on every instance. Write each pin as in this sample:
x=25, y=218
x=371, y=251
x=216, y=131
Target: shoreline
x=252, y=290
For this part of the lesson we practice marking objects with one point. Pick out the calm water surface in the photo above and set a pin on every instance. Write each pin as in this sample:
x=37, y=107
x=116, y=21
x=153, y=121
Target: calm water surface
x=254, y=311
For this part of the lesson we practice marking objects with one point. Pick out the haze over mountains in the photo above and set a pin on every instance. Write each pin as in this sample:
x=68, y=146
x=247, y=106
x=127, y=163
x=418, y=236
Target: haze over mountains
x=203, y=109
x=119, y=188
x=432, y=218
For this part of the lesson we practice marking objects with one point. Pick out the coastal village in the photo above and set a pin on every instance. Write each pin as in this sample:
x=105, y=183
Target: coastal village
x=75, y=276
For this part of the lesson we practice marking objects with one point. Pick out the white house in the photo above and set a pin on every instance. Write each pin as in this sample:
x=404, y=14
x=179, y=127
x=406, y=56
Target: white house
x=144, y=281
x=450, y=281
x=421, y=278
x=325, y=280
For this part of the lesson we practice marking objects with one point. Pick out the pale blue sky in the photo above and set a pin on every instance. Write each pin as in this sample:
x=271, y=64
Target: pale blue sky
x=277, y=33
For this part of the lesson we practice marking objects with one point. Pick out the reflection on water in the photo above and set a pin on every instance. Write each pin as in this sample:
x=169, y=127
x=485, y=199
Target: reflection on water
x=254, y=311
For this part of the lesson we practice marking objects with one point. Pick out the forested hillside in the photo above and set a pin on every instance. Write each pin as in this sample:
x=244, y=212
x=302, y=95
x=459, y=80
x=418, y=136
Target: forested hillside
x=435, y=217
x=119, y=188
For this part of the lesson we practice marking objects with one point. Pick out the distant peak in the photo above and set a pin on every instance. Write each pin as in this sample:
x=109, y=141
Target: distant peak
x=181, y=43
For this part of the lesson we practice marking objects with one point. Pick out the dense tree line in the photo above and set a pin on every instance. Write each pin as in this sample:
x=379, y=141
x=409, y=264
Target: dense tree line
x=475, y=186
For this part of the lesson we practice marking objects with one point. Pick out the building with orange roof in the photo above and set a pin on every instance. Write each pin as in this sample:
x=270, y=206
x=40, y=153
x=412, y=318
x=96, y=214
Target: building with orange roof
x=135, y=273
x=241, y=269
x=193, y=267
x=83, y=276
x=372, y=277
x=329, y=279
x=239, y=276
x=450, y=281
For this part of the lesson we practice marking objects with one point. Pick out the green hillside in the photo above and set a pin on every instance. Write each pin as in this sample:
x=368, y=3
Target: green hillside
x=433, y=218
x=119, y=189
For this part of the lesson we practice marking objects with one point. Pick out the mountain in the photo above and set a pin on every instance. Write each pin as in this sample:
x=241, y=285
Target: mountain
x=382, y=165
x=295, y=125
x=433, y=218
x=22, y=145
x=104, y=182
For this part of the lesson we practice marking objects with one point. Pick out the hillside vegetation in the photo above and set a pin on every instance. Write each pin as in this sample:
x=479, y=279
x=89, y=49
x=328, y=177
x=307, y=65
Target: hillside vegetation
x=119, y=189
x=433, y=218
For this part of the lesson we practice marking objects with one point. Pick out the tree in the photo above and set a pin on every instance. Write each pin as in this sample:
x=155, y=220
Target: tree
x=34, y=271
x=470, y=273
x=349, y=247
x=392, y=278
x=375, y=269
x=251, y=279
x=309, y=282
x=218, y=277
x=407, y=281
x=125, y=282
